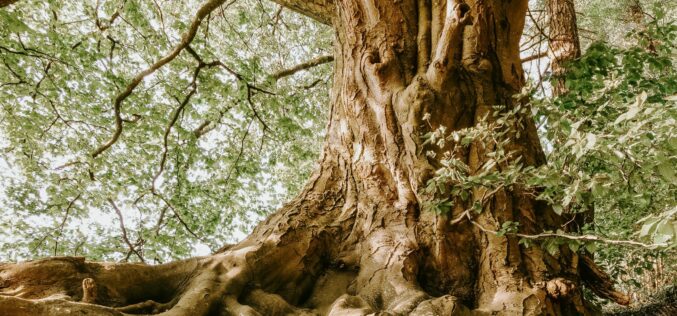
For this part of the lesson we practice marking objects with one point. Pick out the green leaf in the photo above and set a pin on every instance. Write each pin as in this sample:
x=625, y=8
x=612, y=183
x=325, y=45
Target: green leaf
x=12, y=23
x=664, y=232
x=591, y=247
x=667, y=171
x=558, y=209
x=551, y=246
x=649, y=227
x=574, y=245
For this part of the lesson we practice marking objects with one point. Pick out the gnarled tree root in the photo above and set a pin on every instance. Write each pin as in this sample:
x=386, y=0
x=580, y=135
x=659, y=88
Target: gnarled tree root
x=225, y=284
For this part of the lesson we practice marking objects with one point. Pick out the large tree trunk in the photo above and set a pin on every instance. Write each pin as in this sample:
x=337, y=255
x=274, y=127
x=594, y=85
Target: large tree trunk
x=356, y=240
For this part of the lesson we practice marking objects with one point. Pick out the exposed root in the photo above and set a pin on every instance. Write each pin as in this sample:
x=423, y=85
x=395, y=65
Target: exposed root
x=234, y=308
x=14, y=306
x=272, y=304
x=445, y=305
x=349, y=305
x=223, y=285
x=147, y=307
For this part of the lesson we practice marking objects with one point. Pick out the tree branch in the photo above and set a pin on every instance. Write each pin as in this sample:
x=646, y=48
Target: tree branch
x=319, y=10
x=600, y=282
x=186, y=39
x=63, y=221
x=447, y=54
x=132, y=248
x=534, y=57
x=303, y=66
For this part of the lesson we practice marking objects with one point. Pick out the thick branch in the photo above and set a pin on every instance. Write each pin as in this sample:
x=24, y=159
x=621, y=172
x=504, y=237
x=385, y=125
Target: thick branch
x=448, y=50
x=186, y=39
x=320, y=10
x=132, y=248
x=303, y=66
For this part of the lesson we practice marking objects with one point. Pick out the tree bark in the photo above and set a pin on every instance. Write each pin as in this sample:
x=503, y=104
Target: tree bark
x=564, y=44
x=356, y=241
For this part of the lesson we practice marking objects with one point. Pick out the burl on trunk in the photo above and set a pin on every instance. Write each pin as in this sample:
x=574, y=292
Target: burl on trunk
x=356, y=240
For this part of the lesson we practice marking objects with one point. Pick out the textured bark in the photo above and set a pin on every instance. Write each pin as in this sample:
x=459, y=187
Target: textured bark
x=355, y=241
x=564, y=45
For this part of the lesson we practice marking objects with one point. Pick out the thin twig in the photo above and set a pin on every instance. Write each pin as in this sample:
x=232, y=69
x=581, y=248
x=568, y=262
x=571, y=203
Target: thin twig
x=589, y=238
x=534, y=57
x=178, y=217
x=63, y=221
x=132, y=248
x=239, y=155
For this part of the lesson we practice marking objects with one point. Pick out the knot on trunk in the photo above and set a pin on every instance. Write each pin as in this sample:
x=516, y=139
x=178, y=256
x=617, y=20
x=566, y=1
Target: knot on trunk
x=560, y=288
x=461, y=13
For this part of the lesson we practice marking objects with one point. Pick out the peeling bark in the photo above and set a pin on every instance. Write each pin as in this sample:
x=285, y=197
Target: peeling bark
x=355, y=241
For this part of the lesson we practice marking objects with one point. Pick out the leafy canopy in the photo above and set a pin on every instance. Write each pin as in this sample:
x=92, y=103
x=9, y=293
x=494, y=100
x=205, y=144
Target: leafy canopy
x=240, y=143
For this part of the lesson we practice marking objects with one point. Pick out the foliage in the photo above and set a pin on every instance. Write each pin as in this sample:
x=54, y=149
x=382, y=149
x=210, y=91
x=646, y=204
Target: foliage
x=229, y=161
x=611, y=149
x=613, y=141
x=244, y=141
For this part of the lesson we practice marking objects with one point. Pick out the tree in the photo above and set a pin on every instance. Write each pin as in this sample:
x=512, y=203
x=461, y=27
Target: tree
x=564, y=45
x=359, y=238
x=598, y=129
